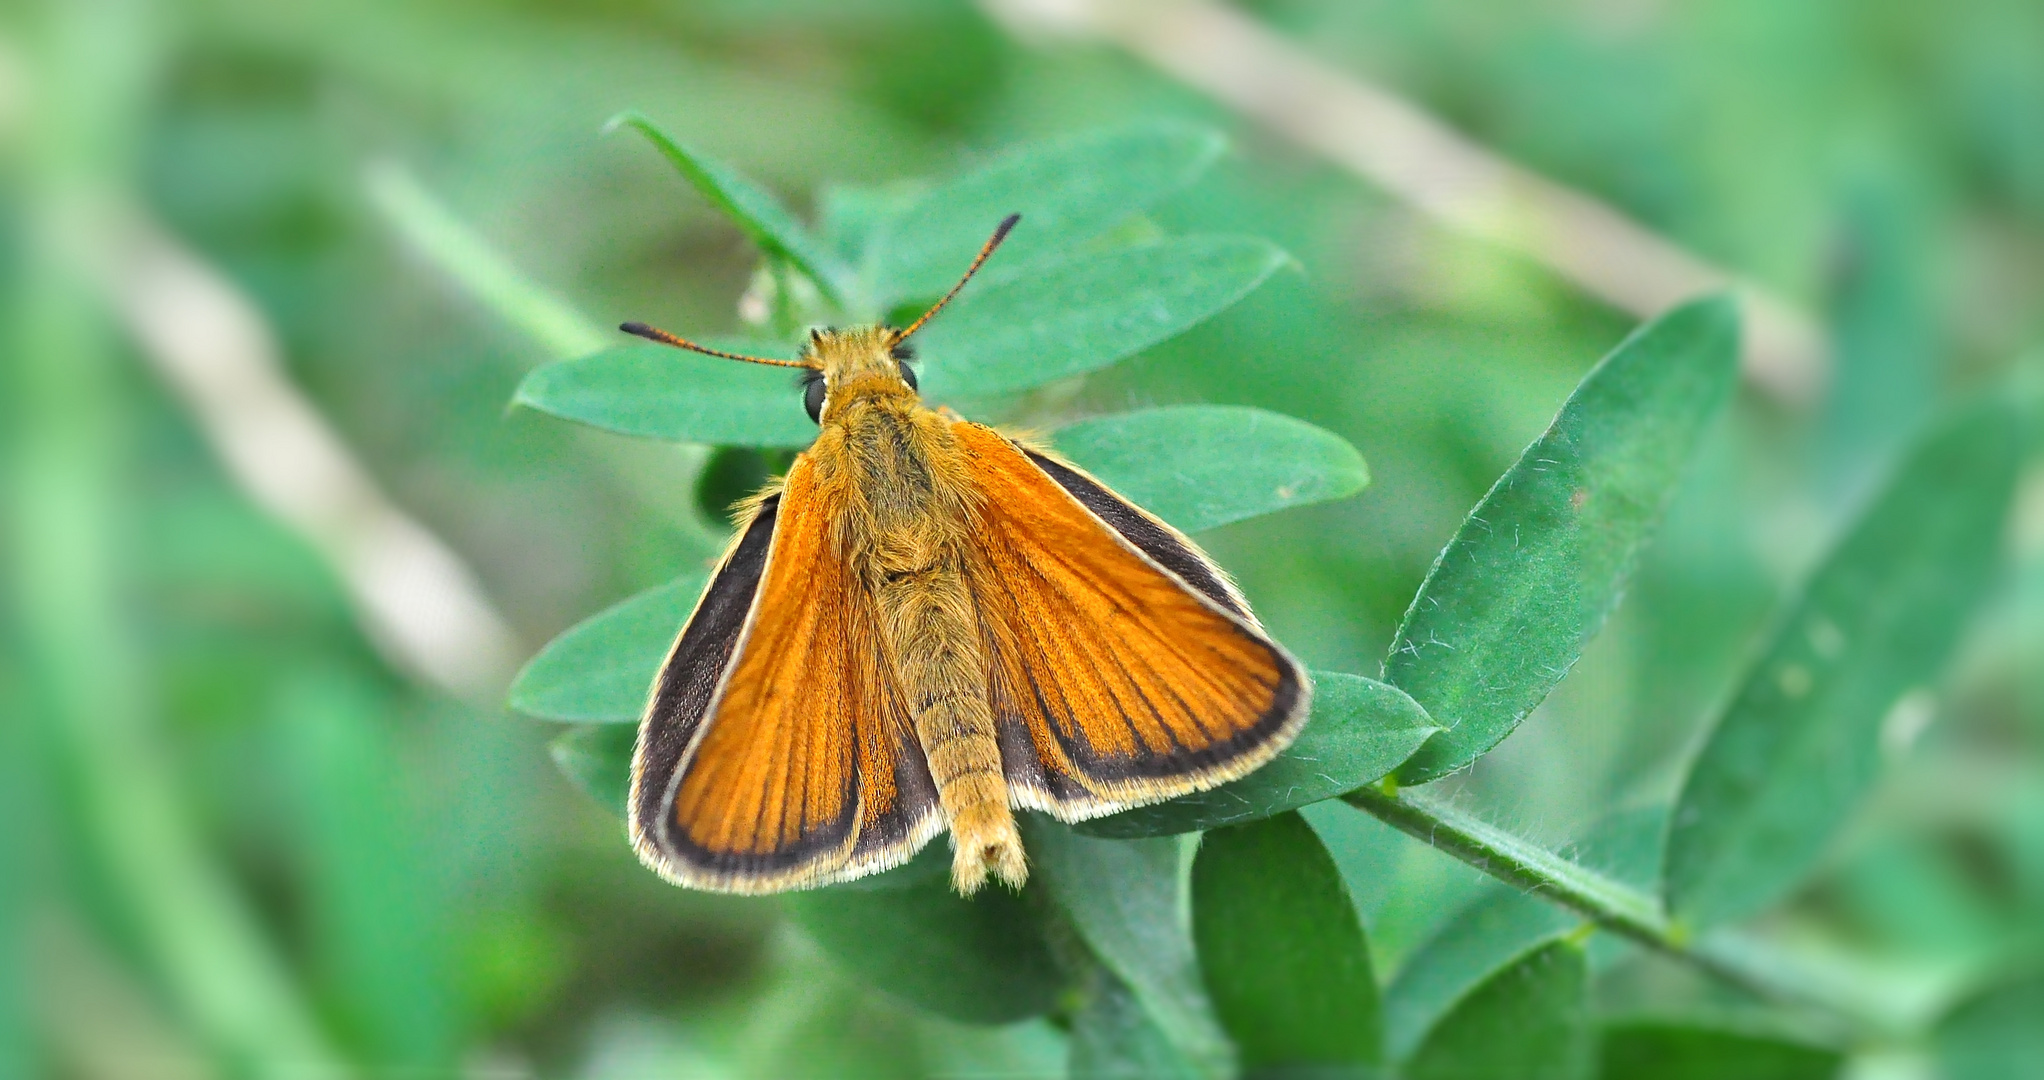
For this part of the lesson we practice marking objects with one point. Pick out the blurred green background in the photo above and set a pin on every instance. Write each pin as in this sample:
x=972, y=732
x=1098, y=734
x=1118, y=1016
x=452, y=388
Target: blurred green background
x=240, y=840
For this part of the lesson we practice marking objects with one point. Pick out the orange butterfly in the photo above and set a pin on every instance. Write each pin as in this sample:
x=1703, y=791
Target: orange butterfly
x=928, y=625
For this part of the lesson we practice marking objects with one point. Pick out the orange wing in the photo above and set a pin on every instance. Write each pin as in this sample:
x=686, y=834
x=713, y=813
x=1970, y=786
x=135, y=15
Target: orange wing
x=803, y=770
x=1122, y=666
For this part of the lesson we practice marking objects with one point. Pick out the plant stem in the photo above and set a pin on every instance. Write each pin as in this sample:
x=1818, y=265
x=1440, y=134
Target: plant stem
x=556, y=326
x=468, y=259
x=1611, y=905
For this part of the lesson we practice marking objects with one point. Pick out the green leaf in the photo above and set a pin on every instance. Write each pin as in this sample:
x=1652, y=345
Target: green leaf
x=1281, y=948
x=1499, y=926
x=1798, y=746
x=1503, y=923
x=1114, y=1037
x=602, y=668
x=1526, y=1022
x=378, y=917
x=1530, y=576
x=1123, y=898
x=1360, y=730
x=1201, y=466
x=981, y=960
x=1994, y=1033
x=1084, y=312
x=751, y=207
x=1068, y=191
x=659, y=392
x=1668, y=1050
x=598, y=758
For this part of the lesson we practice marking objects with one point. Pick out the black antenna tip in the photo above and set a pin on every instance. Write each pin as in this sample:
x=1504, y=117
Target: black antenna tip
x=1001, y=230
x=636, y=329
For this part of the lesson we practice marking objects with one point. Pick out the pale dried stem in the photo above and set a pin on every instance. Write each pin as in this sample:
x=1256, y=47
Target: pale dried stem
x=1414, y=156
x=418, y=601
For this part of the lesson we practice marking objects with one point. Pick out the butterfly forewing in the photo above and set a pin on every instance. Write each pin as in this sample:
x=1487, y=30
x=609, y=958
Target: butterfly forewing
x=1117, y=680
x=804, y=771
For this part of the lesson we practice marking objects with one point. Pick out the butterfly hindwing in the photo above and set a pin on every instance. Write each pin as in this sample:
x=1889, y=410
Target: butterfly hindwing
x=1123, y=667
x=803, y=769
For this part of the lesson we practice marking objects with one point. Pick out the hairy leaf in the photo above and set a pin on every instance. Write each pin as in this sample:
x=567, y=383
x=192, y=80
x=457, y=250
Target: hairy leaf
x=1530, y=576
x=1068, y=191
x=602, y=668
x=1503, y=923
x=1798, y=745
x=1281, y=948
x=1201, y=466
x=1123, y=898
x=1084, y=312
x=659, y=392
x=1527, y=1022
x=981, y=960
x=1360, y=730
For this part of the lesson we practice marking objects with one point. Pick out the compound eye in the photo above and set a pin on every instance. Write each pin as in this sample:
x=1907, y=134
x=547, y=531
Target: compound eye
x=812, y=397
x=908, y=375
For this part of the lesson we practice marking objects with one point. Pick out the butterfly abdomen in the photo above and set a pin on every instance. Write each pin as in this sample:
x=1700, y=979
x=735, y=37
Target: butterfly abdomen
x=927, y=617
x=908, y=539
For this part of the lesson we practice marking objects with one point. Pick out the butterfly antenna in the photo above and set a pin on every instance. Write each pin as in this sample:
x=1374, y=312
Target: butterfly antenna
x=639, y=329
x=1000, y=234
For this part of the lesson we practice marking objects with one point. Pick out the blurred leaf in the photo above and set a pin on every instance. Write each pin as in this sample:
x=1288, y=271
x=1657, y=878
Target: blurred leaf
x=849, y=216
x=601, y=669
x=1503, y=923
x=1123, y=898
x=1360, y=730
x=1526, y=1022
x=1202, y=466
x=378, y=915
x=1067, y=190
x=598, y=758
x=981, y=960
x=659, y=392
x=1797, y=747
x=1281, y=948
x=1530, y=576
x=458, y=251
x=1667, y=1050
x=751, y=207
x=1114, y=1037
x=1084, y=312
x=1997, y=1033
x=1885, y=332
x=824, y=1026
x=20, y=817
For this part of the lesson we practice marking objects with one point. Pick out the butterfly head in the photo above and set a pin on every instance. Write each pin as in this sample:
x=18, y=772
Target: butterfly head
x=864, y=362
x=844, y=365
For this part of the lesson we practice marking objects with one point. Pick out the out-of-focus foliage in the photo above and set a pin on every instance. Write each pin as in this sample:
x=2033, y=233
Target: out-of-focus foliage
x=233, y=838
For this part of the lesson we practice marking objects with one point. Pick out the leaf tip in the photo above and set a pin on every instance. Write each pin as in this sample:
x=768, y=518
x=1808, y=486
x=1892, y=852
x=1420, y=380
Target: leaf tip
x=625, y=118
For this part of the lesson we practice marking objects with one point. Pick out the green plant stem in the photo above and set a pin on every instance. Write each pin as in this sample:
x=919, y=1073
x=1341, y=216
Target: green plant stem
x=555, y=325
x=455, y=250
x=1611, y=905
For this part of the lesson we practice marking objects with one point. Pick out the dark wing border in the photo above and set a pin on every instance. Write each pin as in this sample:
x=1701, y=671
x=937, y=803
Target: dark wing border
x=1170, y=548
x=681, y=694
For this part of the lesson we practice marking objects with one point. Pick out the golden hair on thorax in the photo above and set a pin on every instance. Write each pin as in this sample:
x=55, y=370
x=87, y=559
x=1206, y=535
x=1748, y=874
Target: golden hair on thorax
x=925, y=626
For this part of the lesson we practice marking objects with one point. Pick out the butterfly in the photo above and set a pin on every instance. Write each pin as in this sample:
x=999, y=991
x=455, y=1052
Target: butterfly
x=927, y=624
